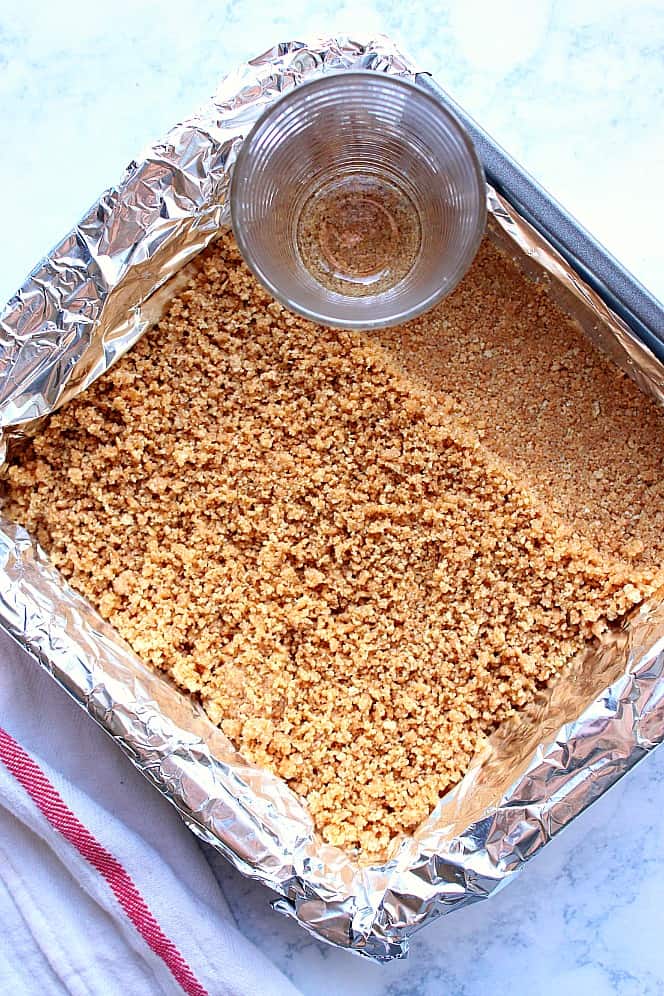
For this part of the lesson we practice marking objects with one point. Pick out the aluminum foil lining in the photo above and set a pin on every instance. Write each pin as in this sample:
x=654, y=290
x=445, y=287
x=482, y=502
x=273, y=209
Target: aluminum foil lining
x=81, y=308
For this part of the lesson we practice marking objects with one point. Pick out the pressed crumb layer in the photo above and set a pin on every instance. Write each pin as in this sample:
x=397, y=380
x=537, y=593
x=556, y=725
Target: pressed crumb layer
x=358, y=576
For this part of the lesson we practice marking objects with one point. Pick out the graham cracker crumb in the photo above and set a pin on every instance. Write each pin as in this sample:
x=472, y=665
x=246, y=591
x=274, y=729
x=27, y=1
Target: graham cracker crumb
x=361, y=560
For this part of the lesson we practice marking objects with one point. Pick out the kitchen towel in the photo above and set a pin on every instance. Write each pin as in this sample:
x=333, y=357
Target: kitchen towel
x=103, y=890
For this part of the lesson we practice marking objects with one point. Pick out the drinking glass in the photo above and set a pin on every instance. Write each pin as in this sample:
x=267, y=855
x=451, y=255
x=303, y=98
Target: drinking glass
x=358, y=200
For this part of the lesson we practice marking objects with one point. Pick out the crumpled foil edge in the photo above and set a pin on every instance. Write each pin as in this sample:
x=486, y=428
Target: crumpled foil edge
x=82, y=308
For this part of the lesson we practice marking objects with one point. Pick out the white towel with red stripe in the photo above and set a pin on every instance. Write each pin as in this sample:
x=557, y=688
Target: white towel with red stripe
x=103, y=890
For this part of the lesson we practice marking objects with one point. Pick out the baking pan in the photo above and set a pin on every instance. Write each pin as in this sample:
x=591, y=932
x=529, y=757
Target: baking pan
x=82, y=307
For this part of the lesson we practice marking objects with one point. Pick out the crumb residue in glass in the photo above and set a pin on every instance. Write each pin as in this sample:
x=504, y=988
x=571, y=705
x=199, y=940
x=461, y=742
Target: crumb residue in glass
x=359, y=235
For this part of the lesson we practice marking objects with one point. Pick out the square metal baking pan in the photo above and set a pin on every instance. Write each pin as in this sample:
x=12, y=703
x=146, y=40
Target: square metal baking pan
x=82, y=307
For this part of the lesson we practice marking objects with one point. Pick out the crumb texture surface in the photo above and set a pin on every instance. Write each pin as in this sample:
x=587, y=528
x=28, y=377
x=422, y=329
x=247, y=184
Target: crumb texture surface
x=362, y=554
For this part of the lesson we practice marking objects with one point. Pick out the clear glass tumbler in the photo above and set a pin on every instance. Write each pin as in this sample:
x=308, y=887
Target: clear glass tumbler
x=358, y=200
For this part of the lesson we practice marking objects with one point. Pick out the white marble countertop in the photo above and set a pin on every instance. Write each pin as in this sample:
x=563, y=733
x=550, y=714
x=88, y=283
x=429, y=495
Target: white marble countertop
x=575, y=91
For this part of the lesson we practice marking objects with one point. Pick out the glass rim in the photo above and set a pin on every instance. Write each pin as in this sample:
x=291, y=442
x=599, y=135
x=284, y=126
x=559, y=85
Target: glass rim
x=336, y=77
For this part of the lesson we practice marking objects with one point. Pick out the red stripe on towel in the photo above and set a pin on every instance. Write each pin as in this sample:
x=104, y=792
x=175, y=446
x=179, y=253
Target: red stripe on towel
x=59, y=815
